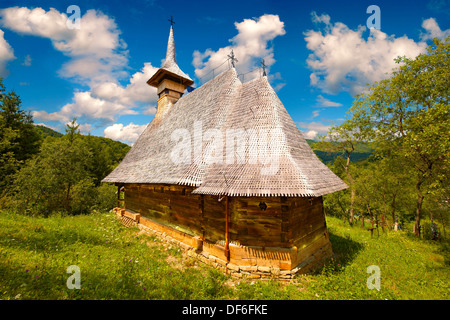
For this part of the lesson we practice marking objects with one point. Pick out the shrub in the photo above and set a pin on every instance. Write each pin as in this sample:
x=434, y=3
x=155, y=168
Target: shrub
x=106, y=197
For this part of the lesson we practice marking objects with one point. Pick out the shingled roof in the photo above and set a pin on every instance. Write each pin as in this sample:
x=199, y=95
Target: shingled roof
x=225, y=104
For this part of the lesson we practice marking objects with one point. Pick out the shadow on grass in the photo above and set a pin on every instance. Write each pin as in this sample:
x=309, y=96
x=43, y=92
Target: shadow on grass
x=344, y=249
x=123, y=280
x=45, y=240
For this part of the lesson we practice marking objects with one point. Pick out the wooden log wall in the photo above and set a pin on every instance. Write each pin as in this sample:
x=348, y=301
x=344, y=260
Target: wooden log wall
x=171, y=205
x=255, y=226
x=253, y=221
x=306, y=220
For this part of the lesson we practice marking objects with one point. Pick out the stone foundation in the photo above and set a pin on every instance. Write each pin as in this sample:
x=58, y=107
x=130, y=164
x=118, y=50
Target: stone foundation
x=252, y=262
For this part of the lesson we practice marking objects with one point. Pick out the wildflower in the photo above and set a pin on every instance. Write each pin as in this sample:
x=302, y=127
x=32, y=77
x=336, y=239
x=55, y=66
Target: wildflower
x=26, y=270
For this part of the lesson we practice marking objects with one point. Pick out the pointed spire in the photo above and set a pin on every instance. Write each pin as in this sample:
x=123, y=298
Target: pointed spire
x=170, y=66
x=170, y=54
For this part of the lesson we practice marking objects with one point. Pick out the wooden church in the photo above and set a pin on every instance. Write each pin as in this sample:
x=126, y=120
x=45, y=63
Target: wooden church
x=237, y=212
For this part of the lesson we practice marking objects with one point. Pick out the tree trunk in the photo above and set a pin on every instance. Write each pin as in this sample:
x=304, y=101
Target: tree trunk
x=376, y=221
x=353, y=194
x=68, y=198
x=352, y=204
x=384, y=213
x=393, y=209
x=383, y=222
x=418, y=210
x=443, y=223
x=371, y=217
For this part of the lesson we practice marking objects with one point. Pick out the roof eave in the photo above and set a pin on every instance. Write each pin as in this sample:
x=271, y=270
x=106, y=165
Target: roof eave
x=156, y=78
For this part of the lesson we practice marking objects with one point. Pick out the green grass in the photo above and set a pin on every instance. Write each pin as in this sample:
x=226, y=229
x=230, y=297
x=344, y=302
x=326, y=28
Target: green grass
x=121, y=263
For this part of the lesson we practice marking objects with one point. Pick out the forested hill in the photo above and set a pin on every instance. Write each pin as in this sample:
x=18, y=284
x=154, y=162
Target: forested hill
x=362, y=151
x=106, y=153
x=117, y=147
x=45, y=132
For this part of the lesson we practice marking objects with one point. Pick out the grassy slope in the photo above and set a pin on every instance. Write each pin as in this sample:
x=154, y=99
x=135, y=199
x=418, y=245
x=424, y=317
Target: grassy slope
x=120, y=263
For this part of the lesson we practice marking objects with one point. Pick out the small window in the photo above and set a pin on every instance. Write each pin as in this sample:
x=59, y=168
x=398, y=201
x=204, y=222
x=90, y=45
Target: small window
x=263, y=206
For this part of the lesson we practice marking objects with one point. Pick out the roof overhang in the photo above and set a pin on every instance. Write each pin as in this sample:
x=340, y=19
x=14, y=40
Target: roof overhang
x=156, y=79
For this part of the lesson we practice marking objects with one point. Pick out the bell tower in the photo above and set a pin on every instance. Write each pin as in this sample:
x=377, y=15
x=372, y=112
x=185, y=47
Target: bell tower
x=169, y=80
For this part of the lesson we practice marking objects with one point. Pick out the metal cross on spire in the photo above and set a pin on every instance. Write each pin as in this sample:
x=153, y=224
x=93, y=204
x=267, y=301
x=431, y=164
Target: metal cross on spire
x=171, y=21
x=263, y=65
x=232, y=58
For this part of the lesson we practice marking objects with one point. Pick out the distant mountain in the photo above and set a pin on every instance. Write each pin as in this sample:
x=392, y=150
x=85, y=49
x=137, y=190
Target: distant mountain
x=362, y=151
x=118, y=149
x=106, y=153
x=47, y=132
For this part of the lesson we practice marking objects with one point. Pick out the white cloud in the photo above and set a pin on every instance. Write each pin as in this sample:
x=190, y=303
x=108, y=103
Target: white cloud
x=98, y=59
x=128, y=133
x=27, y=61
x=432, y=30
x=342, y=60
x=86, y=105
x=85, y=128
x=6, y=54
x=108, y=100
x=250, y=45
x=136, y=91
x=324, y=102
x=149, y=110
x=315, y=114
x=97, y=53
x=312, y=129
x=310, y=134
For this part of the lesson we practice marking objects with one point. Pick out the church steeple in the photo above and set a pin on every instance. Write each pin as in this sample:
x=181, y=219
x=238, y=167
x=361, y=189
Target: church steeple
x=170, y=53
x=169, y=80
x=170, y=69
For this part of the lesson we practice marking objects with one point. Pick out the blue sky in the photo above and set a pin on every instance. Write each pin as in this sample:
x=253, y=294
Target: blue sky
x=319, y=54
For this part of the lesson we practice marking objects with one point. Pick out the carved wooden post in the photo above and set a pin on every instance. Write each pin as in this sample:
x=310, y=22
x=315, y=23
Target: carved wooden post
x=227, y=231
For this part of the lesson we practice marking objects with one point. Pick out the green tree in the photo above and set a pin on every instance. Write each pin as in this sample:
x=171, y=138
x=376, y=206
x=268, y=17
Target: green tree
x=57, y=178
x=383, y=188
x=338, y=203
x=19, y=140
x=342, y=138
x=407, y=117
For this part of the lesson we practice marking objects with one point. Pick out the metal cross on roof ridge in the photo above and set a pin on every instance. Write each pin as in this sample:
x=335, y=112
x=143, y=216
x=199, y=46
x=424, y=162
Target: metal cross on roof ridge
x=171, y=21
x=232, y=58
x=263, y=64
